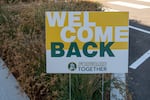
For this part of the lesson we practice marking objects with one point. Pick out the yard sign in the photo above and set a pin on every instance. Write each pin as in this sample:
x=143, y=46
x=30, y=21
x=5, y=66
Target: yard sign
x=87, y=42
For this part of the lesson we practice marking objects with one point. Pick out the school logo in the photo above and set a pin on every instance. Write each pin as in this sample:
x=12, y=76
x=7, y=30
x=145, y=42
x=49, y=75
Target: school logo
x=72, y=66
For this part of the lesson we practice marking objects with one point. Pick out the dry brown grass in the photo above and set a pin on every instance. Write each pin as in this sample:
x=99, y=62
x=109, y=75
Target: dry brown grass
x=22, y=46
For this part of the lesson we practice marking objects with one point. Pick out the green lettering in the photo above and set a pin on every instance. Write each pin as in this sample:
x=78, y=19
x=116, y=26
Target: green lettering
x=85, y=49
x=57, y=49
x=106, y=48
x=73, y=50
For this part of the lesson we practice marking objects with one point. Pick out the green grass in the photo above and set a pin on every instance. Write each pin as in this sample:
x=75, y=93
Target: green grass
x=86, y=87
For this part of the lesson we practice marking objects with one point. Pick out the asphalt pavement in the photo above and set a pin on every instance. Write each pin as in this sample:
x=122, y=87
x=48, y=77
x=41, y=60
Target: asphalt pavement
x=139, y=10
x=138, y=80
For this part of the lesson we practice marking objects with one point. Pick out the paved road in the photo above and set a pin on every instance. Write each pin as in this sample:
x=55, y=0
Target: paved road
x=138, y=9
x=138, y=79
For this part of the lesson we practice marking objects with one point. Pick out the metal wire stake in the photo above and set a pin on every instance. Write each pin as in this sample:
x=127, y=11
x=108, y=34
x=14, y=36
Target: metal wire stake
x=102, y=86
x=69, y=86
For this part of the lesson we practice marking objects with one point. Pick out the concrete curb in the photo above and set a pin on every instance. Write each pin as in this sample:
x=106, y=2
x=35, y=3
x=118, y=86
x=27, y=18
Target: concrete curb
x=119, y=79
x=9, y=87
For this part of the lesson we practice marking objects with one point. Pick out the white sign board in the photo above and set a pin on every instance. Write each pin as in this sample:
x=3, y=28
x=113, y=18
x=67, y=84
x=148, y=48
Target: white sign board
x=87, y=42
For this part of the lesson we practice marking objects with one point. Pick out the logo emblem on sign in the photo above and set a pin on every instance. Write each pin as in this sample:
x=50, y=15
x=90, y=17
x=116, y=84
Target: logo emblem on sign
x=72, y=66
